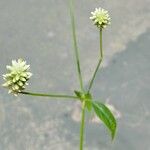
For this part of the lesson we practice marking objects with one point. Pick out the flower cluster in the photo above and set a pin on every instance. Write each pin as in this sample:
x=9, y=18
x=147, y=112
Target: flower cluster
x=100, y=17
x=17, y=76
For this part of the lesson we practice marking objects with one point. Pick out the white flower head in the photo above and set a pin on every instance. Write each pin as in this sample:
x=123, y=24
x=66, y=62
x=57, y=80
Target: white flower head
x=17, y=76
x=100, y=17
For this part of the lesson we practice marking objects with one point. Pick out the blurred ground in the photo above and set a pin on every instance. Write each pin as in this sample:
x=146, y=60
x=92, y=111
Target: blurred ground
x=39, y=31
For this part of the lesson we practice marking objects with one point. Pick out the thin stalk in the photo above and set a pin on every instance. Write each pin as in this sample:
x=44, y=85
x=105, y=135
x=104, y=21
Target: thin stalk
x=75, y=44
x=99, y=62
x=49, y=95
x=82, y=126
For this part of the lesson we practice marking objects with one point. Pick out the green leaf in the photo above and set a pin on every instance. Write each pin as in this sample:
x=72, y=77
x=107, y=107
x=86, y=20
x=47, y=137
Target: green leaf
x=88, y=101
x=106, y=116
x=88, y=105
x=88, y=96
x=79, y=94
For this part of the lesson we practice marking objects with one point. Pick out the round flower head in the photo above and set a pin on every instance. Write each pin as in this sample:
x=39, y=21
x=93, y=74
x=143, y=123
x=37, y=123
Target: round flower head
x=17, y=76
x=100, y=17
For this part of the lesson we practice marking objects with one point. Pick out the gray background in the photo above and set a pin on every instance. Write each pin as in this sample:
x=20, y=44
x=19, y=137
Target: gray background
x=39, y=31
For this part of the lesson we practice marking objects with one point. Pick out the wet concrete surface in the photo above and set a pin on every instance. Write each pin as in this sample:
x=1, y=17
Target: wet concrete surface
x=39, y=31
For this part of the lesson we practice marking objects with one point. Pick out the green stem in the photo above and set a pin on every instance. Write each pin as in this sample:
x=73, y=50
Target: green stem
x=99, y=62
x=75, y=44
x=49, y=95
x=82, y=126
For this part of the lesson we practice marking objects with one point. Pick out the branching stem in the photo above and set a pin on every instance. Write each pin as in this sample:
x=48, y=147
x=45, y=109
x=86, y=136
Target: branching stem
x=75, y=44
x=50, y=95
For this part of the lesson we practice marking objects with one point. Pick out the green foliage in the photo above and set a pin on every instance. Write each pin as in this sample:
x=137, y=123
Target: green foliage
x=87, y=97
x=79, y=94
x=101, y=110
x=88, y=104
x=106, y=116
x=88, y=101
